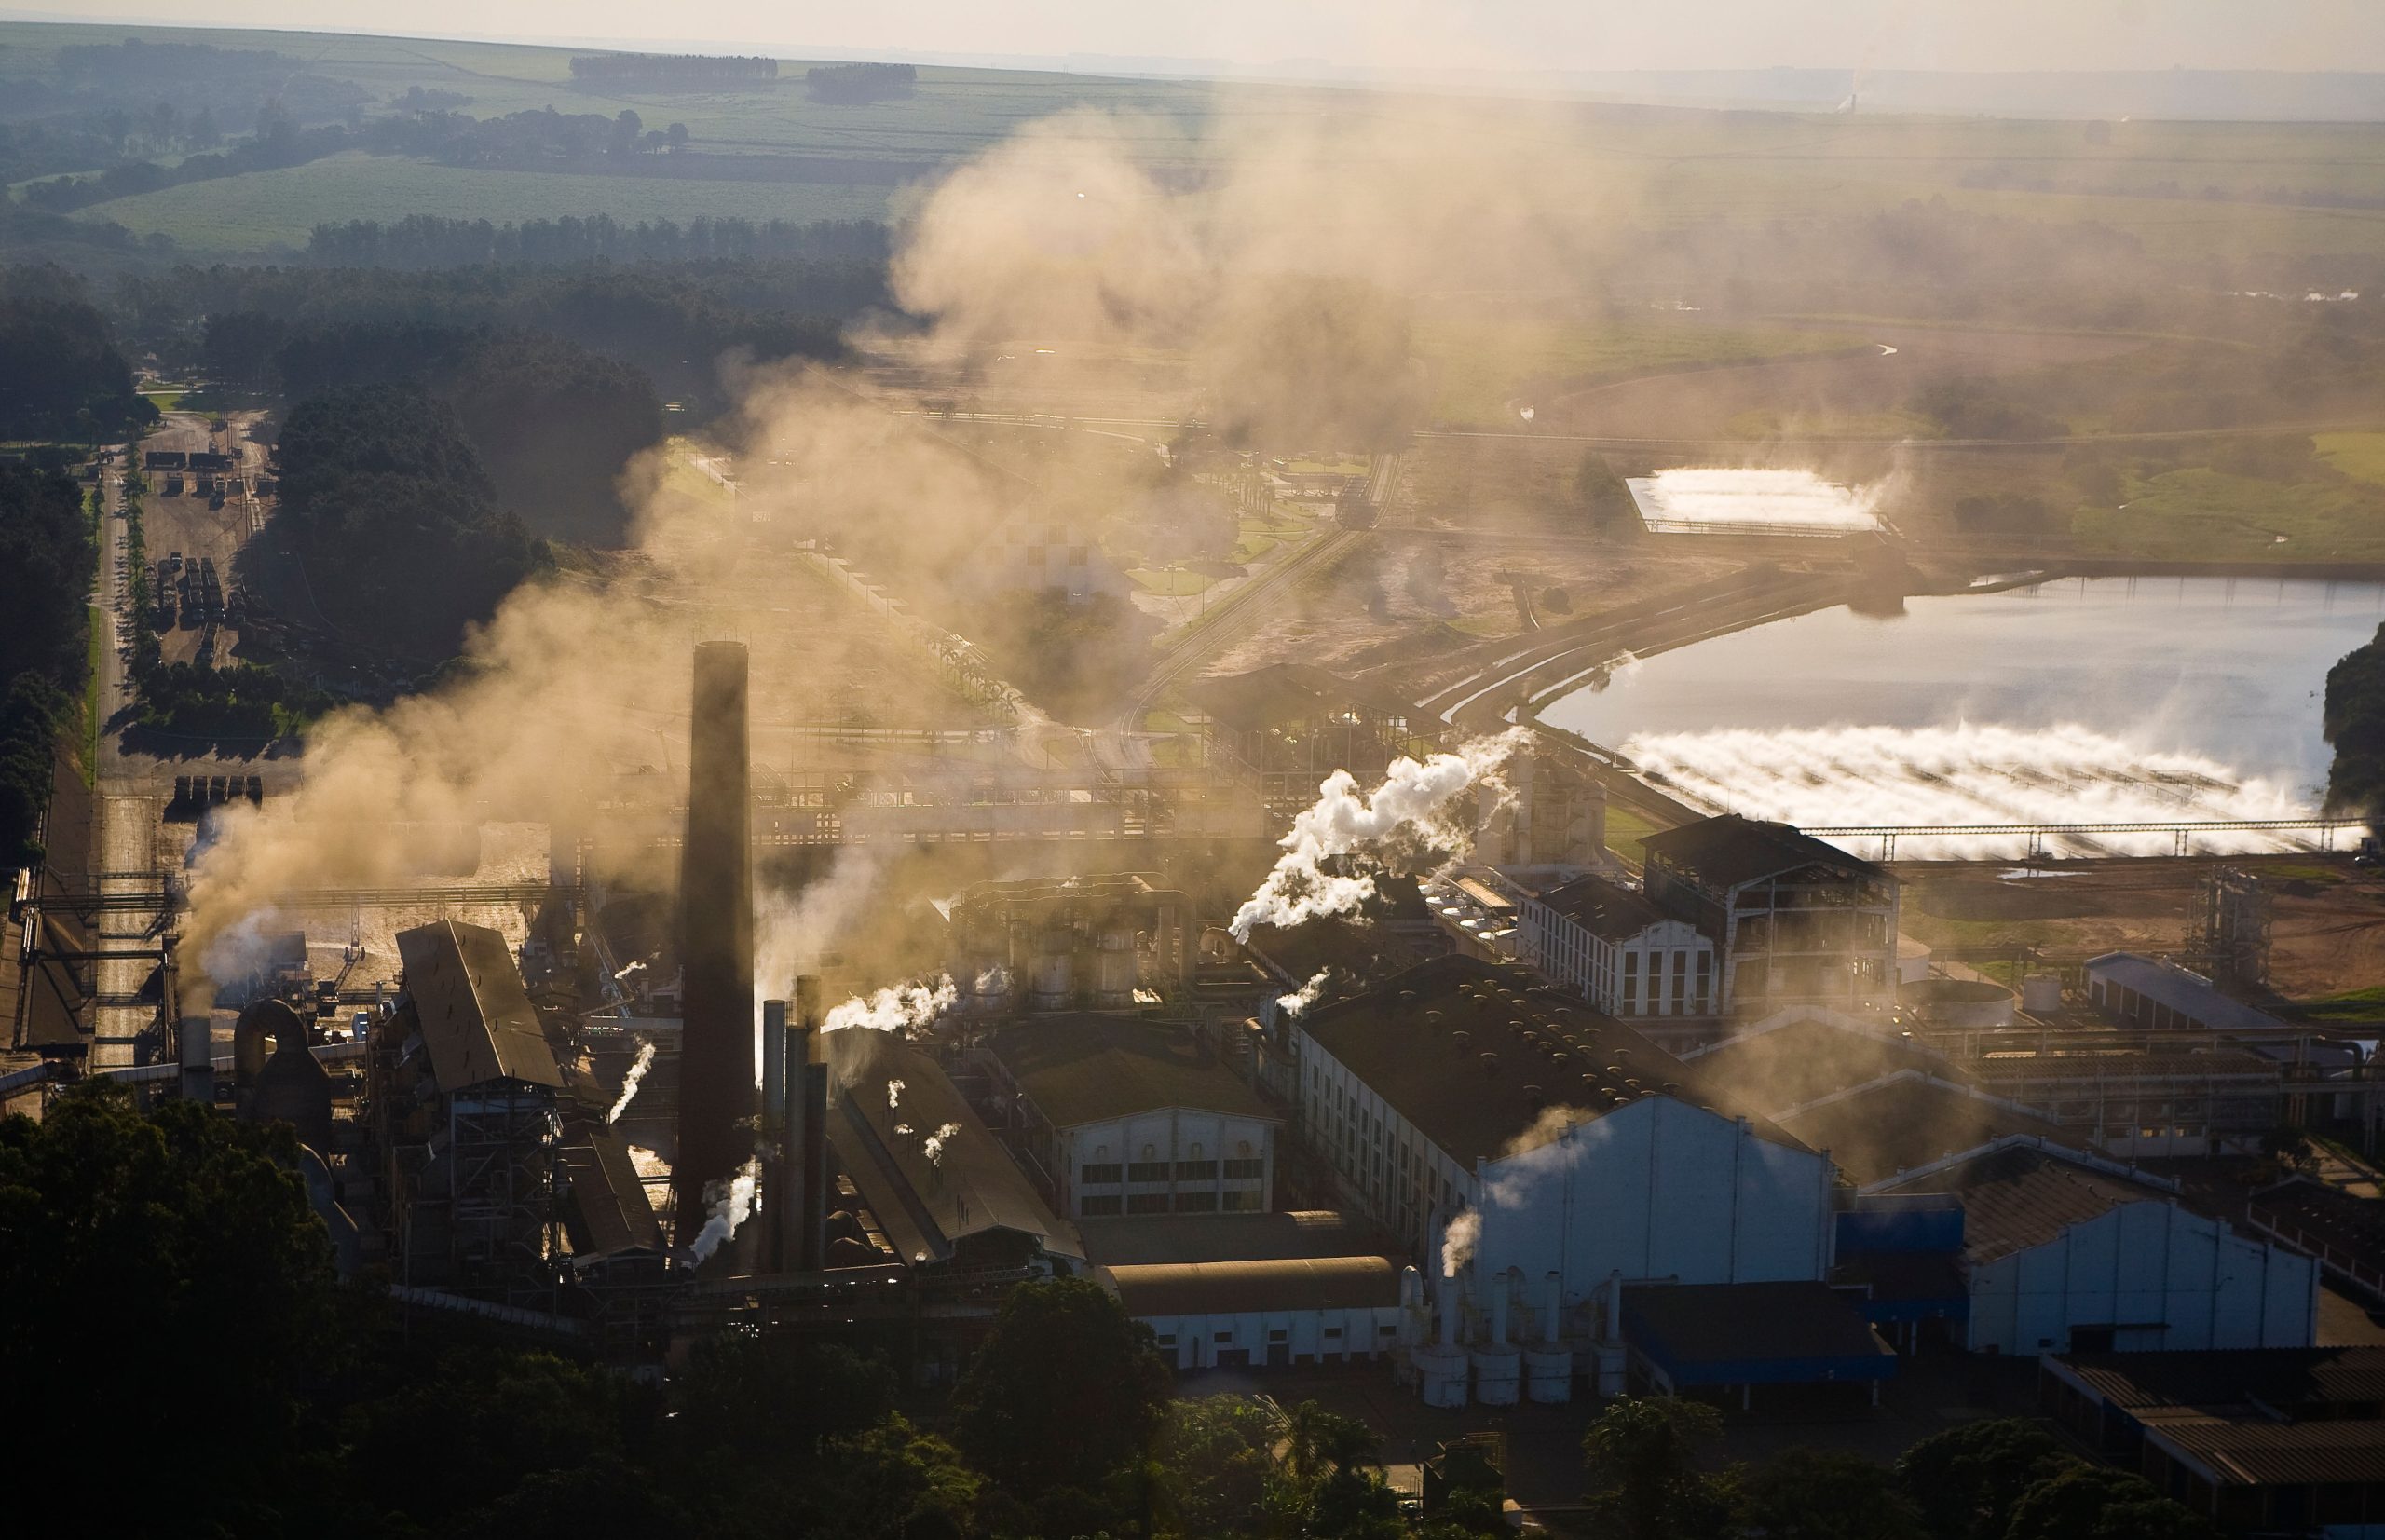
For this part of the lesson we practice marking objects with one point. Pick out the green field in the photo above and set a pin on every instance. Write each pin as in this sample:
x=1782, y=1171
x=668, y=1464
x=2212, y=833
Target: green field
x=2210, y=516
x=1485, y=367
x=2361, y=455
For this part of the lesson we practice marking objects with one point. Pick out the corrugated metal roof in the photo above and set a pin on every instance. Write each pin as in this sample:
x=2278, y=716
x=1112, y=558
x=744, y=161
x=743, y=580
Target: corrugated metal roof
x=1166, y=1238
x=1684, y=1325
x=613, y=1213
x=477, y=1020
x=2282, y=1453
x=1091, y=1069
x=1401, y=1040
x=2020, y=1197
x=2288, y=1380
x=2160, y=980
x=927, y=1205
x=1604, y=909
x=1723, y=853
x=1227, y=1288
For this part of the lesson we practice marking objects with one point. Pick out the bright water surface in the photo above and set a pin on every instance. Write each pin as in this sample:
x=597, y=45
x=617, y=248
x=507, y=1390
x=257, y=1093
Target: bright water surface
x=2230, y=670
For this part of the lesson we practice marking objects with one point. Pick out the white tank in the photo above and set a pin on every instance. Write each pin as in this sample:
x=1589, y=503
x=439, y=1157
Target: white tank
x=1441, y=1369
x=2041, y=994
x=1498, y=1364
x=1052, y=971
x=1607, y=1367
x=1114, y=987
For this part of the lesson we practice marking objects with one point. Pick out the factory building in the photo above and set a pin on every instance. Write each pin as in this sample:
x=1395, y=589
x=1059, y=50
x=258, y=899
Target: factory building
x=1574, y=1144
x=2064, y=1252
x=2283, y=1441
x=948, y=1195
x=1618, y=950
x=1078, y=943
x=2156, y=994
x=1122, y=1117
x=1229, y=1315
x=1793, y=920
x=2142, y=1104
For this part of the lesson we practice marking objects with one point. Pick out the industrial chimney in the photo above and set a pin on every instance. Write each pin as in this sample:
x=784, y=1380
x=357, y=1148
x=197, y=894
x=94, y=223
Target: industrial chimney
x=716, y=940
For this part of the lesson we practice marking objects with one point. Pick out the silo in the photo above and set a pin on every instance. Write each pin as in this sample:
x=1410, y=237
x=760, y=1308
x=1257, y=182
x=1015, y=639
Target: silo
x=1498, y=1364
x=716, y=940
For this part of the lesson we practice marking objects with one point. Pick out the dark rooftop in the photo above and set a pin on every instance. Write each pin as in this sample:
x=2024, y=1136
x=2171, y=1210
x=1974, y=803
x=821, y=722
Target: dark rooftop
x=1725, y=851
x=1420, y=1041
x=2020, y=1196
x=1907, y=1121
x=1283, y=693
x=2311, y=1214
x=1736, y=1333
x=1221, y=1289
x=1602, y=908
x=1090, y=1068
x=610, y=1210
x=2290, y=1380
x=477, y=1021
x=2157, y=978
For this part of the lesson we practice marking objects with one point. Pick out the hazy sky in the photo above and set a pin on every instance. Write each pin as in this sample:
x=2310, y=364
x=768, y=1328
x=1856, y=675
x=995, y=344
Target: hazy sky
x=1562, y=35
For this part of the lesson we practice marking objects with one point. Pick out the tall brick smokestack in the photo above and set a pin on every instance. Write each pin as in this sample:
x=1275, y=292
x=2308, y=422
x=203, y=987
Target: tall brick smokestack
x=716, y=941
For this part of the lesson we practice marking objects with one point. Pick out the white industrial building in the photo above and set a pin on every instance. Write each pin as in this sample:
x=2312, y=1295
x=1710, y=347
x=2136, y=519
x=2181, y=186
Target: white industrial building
x=2064, y=1252
x=1565, y=1142
x=1613, y=948
x=2157, y=994
x=1131, y=1117
x=1258, y=1313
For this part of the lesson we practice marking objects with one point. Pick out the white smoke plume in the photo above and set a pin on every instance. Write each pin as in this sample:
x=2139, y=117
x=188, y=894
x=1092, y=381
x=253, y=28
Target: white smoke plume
x=627, y=969
x=629, y=1082
x=902, y=1128
x=1418, y=801
x=894, y=1094
x=894, y=1008
x=1296, y=1005
x=793, y=930
x=934, y=1148
x=1458, y=1242
x=1967, y=774
x=994, y=981
x=732, y=1202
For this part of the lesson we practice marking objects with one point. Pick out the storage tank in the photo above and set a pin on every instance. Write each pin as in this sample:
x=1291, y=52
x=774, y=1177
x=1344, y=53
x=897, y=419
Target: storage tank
x=1114, y=989
x=1548, y=1363
x=1498, y=1364
x=1960, y=1002
x=1051, y=989
x=2041, y=994
x=1441, y=1369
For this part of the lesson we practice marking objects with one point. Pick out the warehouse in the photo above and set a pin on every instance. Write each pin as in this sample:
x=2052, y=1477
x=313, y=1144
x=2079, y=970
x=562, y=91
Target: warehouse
x=1261, y=1314
x=1618, y=951
x=2155, y=993
x=2277, y=1441
x=2065, y=1252
x=1130, y=1117
x=1570, y=1143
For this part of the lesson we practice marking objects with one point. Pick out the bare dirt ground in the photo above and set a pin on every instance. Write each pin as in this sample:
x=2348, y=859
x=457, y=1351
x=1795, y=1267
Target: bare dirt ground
x=2327, y=936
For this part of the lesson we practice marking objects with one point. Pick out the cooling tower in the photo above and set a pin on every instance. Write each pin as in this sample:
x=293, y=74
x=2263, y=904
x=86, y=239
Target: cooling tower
x=716, y=940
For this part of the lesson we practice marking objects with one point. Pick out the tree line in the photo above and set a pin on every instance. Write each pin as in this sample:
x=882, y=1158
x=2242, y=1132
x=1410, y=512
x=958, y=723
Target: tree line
x=673, y=69
x=63, y=377
x=853, y=85
x=428, y=241
x=48, y=558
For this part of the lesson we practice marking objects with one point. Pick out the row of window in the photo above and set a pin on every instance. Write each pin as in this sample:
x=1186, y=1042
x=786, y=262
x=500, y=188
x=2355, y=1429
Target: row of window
x=1109, y=1205
x=1108, y=1175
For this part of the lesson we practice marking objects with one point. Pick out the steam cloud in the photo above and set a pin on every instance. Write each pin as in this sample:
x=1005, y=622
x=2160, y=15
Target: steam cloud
x=934, y=1147
x=1417, y=802
x=894, y=1008
x=629, y=1082
x=1966, y=774
x=894, y=1094
x=1458, y=1242
x=732, y=1202
x=1296, y=1005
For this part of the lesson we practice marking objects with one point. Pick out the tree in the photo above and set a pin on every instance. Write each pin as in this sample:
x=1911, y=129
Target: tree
x=677, y=134
x=166, y=1264
x=894, y=1480
x=1643, y=1475
x=605, y=1499
x=1967, y=1478
x=2087, y=1502
x=1829, y=1494
x=1213, y=1452
x=2289, y=1147
x=775, y=1400
x=1065, y=1390
x=1602, y=494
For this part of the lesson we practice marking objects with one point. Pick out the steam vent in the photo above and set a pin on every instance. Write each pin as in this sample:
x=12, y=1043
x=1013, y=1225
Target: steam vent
x=716, y=940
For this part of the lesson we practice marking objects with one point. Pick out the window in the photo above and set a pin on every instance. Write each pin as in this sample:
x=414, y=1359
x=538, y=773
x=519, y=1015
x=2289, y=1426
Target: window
x=1245, y=1170
x=1680, y=1003
x=1223, y=1339
x=1147, y=1170
x=1240, y=1202
x=1095, y=1208
x=1168, y=1340
x=1147, y=1202
x=1196, y=1170
x=1283, y=1335
x=1196, y=1202
x=1630, y=981
x=1331, y=1332
x=1150, y=1150
x=1196, y=1151
x=1095, y=1176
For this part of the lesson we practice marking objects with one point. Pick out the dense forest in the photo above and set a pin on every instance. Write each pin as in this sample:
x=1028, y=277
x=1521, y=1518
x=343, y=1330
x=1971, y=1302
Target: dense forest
x=398, y=518
x=61, y=376
x=2355, y=725
x=333, y=1417
x=46, y=565
x=427, y=240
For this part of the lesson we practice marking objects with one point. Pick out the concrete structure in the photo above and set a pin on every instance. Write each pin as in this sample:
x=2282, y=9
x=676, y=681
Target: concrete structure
x=2135, y=1103
x=1618, y=950
x=2284, y=1442
x=2063, y=1252
x=1283, y=728
x=1566, y=1141
x=716, y=941
x=1129, y=1117
x=1102, y=943
x=2157, y=994
x=1793, y=921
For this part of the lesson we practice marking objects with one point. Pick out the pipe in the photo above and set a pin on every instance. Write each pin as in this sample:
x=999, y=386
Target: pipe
x=812, y=1220
x=1449, y=1315
x=776, y=1157
x=1550, y=1322
x=1500, y=1286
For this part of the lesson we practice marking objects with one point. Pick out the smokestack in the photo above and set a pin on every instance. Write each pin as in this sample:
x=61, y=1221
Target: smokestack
x=716, y=940
x=195, y=1031
x=778, y=1161
x=812, y=1232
